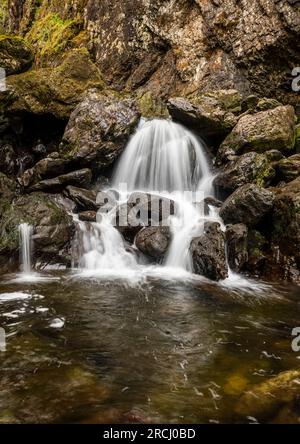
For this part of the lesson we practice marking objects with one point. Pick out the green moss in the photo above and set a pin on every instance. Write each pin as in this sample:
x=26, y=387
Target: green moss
x=51, y=36
x=151, y=107
x=263, y=172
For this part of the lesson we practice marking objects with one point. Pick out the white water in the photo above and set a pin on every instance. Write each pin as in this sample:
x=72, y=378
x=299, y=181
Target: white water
x=25, y=231
x=161, y=158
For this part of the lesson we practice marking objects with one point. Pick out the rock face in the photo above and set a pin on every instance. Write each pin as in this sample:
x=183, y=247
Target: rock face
x=15, y=54
x=153, y=241
x=248, y=168
x=208, y=253
x=260, y=132
x=53, y=227
x=99, y=129
x=237, y=246
x=248, y=205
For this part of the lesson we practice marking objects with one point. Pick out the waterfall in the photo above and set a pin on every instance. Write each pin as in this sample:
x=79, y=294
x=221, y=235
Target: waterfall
x=162, y=158
x=25, y=231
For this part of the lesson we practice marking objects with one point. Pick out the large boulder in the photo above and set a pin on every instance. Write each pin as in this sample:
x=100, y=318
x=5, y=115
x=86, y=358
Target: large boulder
x=289, y=168
x=237, y=246
x=84, y=199
x=44, y=169
x=153, y=241
x=248, y=168
x=54, y=91
x=15, y=54
x=249, y=204
x=260, y=132
x=210, y=114
x=52, y=227
x=79, y=178
x=208, y=253
x=99, y=129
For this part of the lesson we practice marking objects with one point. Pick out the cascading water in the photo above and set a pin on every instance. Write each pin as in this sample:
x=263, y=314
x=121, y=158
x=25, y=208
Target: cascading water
x=161, y=158
x=25, y=231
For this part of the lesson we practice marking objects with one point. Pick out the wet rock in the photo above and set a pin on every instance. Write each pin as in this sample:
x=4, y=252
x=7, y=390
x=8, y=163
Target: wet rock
x=260, y=132
x=257, y=245
x=237, y=246
x=7, y=159
x=99, y=129
x=153, y=241
x=81, y=178
x=211, y=202
x=53, y=227
x=264, y=400
x=85, y=199
x=44, y=169
x=208, y=253
x=15, y=54
x=88, y=216
x=54, y=91
x=286, y=219
x=289, y=168
x=249, y=204
x=210, y=114
x=248, y=168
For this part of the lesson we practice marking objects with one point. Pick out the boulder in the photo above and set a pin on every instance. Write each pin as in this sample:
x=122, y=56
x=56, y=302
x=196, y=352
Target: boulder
x=208, y=253
x=248, y=168
x=289, y=169
x=15, y=54
x=257, y=244
x=54, y=91
x=260, y=132
x=7, y=159
x=153, y=241
x=44, y=169
x=81, y=178
x=237, y=246
x=264, y=400
x=52, y=227
x=210, y=114
x=85, y=199
x=249, y=204
x=211, y=202
x=99, y=129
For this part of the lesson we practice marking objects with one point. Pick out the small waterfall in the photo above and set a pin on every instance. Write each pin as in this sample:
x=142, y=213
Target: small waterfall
x=25, y=231
x=162, y=158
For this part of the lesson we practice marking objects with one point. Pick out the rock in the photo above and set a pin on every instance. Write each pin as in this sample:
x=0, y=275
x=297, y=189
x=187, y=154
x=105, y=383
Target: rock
x=151, y=107
x=297, y=141
x=44, y=169
x=264, y=400
x=286, y=219
x=153, y=241
x=208, y=253
x=274, y=155
x=260, y=132
x=211, y=202
x=85, y=199
x=15, y=54
x=210, y=114
x=7, y=159
x=289, y=169
x=54, y=91
x=88, y=216
x=249, y=204
x=98, y=129
x=53, y=228
x=248, y=168
x=257, y=244
x=237, y=246
x=81, y=178
x=7, y=192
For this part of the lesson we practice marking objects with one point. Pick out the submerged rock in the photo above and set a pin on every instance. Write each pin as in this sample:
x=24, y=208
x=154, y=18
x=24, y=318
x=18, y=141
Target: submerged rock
x=237, y=246
x=260, y=132
x=208, y=253
x=263, y=400
x=249, y=204
x=99, y=129
x=248, y=168
x=153, y=241
x=15, y=54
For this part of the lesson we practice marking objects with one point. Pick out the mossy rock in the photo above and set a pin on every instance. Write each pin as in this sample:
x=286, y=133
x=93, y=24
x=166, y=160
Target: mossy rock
x=16, y=55
x=297, y=139
x=152, y=107
x=54, y=91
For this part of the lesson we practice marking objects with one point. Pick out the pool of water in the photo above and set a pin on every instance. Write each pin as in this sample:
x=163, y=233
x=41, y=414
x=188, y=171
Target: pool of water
x=80, y=349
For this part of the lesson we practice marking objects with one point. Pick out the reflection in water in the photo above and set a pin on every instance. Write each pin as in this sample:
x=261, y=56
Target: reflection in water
x=81, y=350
